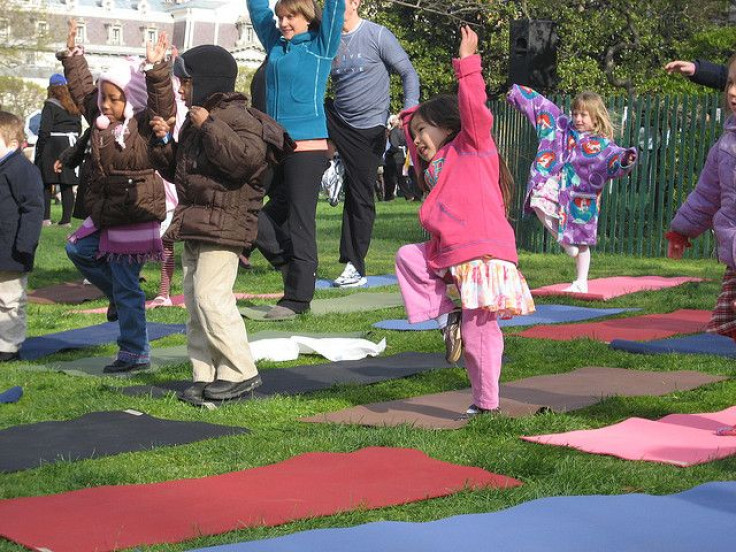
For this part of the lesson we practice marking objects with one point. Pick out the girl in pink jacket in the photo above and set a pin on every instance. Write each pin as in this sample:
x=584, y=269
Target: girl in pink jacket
x=472, y=245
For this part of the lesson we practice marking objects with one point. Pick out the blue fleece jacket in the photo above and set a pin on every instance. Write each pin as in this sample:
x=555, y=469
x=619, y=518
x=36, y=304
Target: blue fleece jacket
x=297, y=69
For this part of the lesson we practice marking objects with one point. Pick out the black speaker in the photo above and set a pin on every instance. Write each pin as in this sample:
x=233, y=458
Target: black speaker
x=533, y=54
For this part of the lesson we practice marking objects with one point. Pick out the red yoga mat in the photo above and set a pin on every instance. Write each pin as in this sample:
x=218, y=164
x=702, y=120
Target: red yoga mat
x=602, y=289
x=314, y=484
x=635, y=328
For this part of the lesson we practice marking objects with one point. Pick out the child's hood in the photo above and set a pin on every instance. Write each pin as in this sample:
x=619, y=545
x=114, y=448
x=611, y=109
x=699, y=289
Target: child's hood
x=130, y=78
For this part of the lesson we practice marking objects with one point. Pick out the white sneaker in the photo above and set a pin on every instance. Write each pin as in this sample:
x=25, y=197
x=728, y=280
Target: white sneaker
x=577, y=287
x=350, y=278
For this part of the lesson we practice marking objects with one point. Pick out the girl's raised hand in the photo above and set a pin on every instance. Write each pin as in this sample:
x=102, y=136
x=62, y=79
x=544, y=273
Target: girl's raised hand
x=156, y=52
x=71, y=37
x=160, y=127
x=468, y=42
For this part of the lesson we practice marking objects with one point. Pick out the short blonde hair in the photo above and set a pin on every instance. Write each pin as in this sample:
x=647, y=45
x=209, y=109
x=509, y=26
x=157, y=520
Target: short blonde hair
x=308, y=8
x=11, y=128
x=593, y=104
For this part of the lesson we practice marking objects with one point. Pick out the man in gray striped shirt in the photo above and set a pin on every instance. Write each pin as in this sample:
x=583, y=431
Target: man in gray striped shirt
x=356, y=121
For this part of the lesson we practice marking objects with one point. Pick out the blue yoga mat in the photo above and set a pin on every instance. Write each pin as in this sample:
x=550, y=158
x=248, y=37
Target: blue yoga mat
x=700, y=344
x=373, y=281
x=545, y=314
x=42, y=345
x=699, y=519
x=11, y=395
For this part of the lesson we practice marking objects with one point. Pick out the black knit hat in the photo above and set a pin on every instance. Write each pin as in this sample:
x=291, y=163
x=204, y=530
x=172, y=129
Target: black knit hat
x=211, y=68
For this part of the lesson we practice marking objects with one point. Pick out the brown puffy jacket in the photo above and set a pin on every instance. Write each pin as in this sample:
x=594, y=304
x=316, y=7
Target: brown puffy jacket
x=218, y=168
x=123, y=186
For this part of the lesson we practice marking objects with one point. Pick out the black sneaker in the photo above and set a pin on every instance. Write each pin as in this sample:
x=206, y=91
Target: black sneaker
x=112, y=313
x=221, y=390
x=452, y=337
x=6, y=356
x=193, y=394
x=123, y=366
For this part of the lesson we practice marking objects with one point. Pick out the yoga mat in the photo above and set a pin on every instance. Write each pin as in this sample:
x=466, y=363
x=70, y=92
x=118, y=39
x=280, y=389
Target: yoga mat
x=558, y=392
x=545, y=314
x=178, y=301
x=67, y=292
x=602, y=289
x=356, y=302
x=373, y=281
x=313, y=484
x=642, y=328
x=12, y=395
x=701, y=344
x=699, y=519
x=679, y=439
x=42, y=345
x=98, y=434
x=316, y=377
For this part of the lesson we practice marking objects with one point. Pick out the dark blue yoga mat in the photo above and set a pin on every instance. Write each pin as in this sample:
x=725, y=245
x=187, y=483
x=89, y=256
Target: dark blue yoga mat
x=11, y=395
x=700, y=519
x=42, y=345
x=545, y=314
x=373, y=281
x=700, y=344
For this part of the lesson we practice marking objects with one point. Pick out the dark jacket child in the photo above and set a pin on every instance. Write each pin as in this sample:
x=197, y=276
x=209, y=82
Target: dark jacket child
x=76, y=157
x=21, y=213
x=217, y=165
x=125, y=197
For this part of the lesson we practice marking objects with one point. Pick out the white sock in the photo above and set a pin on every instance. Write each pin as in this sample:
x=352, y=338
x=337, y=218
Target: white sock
x=442, y=320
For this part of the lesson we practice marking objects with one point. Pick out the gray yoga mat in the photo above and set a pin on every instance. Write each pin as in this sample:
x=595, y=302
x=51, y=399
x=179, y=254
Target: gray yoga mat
x=356, y=302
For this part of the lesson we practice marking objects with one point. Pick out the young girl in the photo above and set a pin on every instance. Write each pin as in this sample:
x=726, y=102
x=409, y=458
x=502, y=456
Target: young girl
x=300, y=47
x=712, y=205
x=575, y=158
x=471, y=242
x=125, y=198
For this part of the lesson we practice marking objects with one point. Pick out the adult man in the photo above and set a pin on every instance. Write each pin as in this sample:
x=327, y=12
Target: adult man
x=356, y=121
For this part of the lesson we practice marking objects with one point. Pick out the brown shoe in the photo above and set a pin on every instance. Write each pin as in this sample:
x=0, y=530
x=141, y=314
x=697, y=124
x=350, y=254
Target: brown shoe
x=452, y=337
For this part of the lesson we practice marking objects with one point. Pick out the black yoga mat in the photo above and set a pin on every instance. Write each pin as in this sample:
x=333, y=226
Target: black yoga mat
x=98, y=434
x=315, y=377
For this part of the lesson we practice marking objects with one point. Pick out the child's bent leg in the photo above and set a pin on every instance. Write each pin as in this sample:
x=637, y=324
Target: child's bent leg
x=423, y=291
x=551, y=224
x=130, y=301
x=483, y=343
x=221, y=325
x=12, y=310
x=83, y=253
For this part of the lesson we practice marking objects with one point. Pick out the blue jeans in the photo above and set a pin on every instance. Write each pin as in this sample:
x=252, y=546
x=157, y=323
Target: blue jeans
x=118, y=280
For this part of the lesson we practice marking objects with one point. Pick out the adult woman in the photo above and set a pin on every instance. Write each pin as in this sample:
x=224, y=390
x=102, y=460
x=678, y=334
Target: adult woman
x=300, y=48
x=61, y=124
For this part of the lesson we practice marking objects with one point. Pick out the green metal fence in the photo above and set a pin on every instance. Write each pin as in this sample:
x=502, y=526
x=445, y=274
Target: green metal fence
x=673, y=134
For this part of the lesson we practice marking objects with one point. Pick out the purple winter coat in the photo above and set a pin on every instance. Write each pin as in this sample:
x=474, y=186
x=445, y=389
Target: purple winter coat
x=582, y=163
x=712, y=204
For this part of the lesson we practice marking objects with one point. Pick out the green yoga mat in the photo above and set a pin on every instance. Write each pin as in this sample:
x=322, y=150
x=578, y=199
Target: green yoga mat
x=164, y=356
x=357, y=302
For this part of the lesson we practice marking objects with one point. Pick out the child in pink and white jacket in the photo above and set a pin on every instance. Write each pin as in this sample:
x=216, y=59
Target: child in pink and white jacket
x=472, y=244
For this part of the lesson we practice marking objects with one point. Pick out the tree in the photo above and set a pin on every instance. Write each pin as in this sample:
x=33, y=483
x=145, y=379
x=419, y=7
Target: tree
x=20, y=97
x=25, y=29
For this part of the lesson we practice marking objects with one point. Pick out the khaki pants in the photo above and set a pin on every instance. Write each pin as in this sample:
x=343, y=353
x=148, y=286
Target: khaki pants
x=12, y=310
x=217, y=340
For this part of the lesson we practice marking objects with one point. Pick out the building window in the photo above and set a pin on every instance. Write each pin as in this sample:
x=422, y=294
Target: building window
x=152, y=36
x=115, y=35
x=81, y=33
x=42, y=28
x=246, y=35
x=4, y=29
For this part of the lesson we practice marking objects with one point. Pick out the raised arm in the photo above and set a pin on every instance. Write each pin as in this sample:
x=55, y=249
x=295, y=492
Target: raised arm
x=263, y=23
x=540, y=111
x=330, y=29
x=475, y=117
x=700, y=72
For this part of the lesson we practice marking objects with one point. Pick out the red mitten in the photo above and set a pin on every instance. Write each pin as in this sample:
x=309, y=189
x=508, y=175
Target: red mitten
x=677, y=244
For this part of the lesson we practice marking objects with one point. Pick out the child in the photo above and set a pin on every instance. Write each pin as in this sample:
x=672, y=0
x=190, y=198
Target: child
x=300, y=45
x=217, y=165
x=125, y=197
x=575, y=158
x=712, y=205
x=471, y=242
x=21, y=210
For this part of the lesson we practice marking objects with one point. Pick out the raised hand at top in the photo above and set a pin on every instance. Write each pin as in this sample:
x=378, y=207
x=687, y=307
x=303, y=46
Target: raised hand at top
x=157, y=52
x=468, y=42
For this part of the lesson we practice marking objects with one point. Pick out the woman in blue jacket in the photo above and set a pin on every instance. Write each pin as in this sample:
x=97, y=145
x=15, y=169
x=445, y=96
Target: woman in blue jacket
x=300, y=46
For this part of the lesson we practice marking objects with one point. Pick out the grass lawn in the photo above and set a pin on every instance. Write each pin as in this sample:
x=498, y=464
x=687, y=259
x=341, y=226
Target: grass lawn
x=491, y=443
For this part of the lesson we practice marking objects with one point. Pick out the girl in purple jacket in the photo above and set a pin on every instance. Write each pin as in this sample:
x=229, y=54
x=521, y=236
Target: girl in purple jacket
x=471, y=244
x=712, y=205
x=575, y=158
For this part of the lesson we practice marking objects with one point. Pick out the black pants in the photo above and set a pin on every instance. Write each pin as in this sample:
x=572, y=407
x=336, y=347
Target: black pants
x=287, y=225
x=361, y=151
x=67, y=202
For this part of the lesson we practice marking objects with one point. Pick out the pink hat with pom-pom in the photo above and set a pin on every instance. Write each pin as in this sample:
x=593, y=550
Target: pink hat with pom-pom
x=129, y=77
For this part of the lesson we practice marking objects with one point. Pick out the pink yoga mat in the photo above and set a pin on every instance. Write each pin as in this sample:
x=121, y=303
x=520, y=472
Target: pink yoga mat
x=679, y=439
x=109, y=518
x=66, y=292
x=636, y=328
x=178, y=301
x=602, y=289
